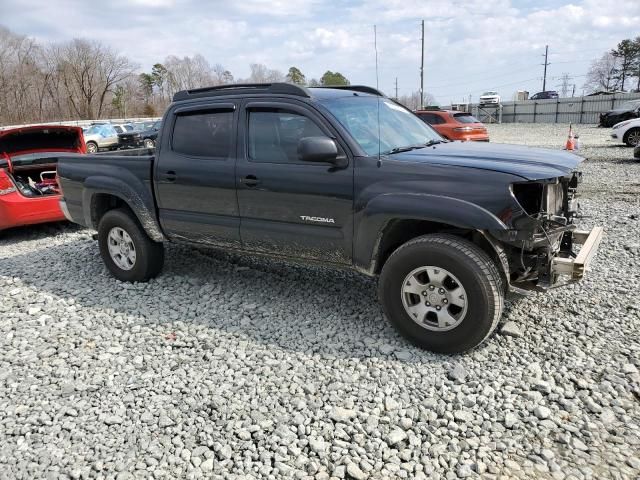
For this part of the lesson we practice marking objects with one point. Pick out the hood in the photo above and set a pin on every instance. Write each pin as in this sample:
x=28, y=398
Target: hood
x=41, y=138
x=618, y=111
x=526, y=162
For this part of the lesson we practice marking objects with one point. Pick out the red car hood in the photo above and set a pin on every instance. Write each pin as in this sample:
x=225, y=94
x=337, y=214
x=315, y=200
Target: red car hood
x=39, y=139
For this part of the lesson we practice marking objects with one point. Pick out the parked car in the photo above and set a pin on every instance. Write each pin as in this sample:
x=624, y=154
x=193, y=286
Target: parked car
x=29, y=191
x=122, y=127
x=636, y=152
x=489, y=98
x=342, y=176
x=454, y=125
x=101, y=137
x=144, y=134
x=546, y=95
x=627, y=132
x=626, y=111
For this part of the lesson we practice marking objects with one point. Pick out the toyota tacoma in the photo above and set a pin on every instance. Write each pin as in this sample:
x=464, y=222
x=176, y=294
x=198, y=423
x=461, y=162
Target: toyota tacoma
x=342, y=176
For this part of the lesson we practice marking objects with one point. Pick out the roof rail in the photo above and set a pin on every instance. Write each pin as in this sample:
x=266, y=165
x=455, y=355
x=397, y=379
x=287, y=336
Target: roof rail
x=282, y=88
x=355, y=88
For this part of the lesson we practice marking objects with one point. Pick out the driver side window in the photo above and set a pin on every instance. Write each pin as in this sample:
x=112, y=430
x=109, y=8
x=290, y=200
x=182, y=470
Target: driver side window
x=274, y=135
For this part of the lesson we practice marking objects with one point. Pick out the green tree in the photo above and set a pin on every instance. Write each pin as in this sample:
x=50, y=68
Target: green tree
x=333, y=78
x=627, y=52
x=119, y=100
x=296, y=76
x=149, y=111
x=146, y=85
x=159, y=74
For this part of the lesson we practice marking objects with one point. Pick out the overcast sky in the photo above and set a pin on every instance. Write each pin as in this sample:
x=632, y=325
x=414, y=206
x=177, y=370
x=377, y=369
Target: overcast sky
x=470, y=45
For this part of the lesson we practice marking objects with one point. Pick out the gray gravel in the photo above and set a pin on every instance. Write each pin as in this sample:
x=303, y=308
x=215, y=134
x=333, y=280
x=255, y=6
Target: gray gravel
x=233, y=367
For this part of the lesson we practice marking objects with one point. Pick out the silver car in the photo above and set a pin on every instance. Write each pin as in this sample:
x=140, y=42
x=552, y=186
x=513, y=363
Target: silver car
x=104, y=136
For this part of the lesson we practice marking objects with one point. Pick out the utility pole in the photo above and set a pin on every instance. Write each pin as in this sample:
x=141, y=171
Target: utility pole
x=396, y=88
x=546, y=64
x=422, y=71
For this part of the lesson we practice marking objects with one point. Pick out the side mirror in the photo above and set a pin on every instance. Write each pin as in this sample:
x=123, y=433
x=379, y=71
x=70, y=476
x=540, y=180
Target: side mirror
x=318, y=149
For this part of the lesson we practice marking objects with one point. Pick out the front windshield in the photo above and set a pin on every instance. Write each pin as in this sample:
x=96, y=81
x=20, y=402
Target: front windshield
x=399, y=128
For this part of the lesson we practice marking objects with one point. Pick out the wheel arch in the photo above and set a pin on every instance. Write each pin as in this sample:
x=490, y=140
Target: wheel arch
x=389, y=221
x=101, y=194
x=400, y=231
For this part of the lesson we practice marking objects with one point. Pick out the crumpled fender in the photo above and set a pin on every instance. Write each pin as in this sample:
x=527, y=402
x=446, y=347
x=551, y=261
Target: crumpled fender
x=379, y=211
x=133, y=192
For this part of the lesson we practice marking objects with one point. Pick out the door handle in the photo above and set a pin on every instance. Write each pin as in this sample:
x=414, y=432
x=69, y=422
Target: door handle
x=169, y=176
x=250, y=181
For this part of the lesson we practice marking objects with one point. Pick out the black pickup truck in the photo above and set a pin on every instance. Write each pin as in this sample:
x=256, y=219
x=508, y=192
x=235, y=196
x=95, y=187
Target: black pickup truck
x=347, y=177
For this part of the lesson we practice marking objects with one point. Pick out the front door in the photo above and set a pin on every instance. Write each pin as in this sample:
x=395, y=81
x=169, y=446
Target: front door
x=289, y=207
x=195, y=178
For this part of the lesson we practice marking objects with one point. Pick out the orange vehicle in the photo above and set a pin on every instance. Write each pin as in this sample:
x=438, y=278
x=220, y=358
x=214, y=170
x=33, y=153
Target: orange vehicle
x=455, y=125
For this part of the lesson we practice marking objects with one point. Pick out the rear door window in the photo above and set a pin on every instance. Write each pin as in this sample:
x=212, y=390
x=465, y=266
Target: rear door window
x=465, y=118
x=431, y=118
x=203, y=134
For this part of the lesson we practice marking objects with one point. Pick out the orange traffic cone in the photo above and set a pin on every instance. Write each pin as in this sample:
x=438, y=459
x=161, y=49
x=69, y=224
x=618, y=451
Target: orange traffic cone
x=570, y=145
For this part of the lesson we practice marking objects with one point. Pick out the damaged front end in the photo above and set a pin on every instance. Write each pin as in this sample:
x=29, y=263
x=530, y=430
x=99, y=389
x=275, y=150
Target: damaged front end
x=541, y=245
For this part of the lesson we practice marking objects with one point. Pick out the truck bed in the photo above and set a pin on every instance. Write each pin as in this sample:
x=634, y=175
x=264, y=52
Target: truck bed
x=127, y=175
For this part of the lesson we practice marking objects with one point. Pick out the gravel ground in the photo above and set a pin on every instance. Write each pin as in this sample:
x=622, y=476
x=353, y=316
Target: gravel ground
x=228, y=366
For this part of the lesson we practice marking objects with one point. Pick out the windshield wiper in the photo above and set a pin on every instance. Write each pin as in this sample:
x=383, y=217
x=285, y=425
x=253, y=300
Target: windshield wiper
x=408, y=148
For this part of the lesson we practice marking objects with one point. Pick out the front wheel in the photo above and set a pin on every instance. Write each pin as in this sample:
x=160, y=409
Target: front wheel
x=126, y=249
x=442, y=292
x=632, y=137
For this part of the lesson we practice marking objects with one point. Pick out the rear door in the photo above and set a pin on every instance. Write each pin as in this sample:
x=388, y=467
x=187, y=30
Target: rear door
x=108, y=136
x=289, y=207
x=194, y=175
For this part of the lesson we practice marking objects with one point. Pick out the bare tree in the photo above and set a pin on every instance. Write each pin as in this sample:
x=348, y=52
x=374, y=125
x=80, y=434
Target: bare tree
x=188, y=72
x=412, y=101
x=601, y=75
x=89, y=72
x=262, y=74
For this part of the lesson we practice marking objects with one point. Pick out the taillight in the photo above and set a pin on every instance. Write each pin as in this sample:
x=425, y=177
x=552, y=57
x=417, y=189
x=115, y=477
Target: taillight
x=6, y=185
x=463, y=129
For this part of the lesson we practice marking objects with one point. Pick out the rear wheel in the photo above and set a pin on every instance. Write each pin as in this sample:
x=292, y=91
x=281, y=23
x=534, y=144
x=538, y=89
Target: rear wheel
x=126, y=249
x=442, y=292
x=632, y=137
x=92, y=147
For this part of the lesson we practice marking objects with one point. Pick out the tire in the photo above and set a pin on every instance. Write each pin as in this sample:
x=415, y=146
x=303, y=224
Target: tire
x=632, y=137
x=149, y=143
x=92, y=147
x=148, y=256
x=467, y=266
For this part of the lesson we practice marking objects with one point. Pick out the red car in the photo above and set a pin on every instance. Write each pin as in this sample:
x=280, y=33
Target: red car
x=29, y=191
x=455, y=125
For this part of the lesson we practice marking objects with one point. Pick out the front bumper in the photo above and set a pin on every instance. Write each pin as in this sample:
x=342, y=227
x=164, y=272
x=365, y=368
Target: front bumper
x=571, y=269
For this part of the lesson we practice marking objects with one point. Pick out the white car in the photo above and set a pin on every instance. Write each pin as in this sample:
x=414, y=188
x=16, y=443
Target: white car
x=489, y=98
x=627, y=132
